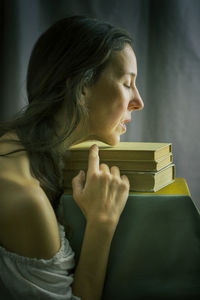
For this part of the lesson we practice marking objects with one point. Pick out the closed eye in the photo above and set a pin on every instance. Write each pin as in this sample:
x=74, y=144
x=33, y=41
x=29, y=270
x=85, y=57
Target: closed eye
x=127, y=86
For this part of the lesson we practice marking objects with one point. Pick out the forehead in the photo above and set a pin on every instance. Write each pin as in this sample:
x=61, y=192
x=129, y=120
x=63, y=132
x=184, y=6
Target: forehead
x=123, y=61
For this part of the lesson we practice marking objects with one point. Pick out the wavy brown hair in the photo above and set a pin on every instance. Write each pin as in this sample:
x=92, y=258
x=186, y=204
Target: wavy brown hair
x=70, y=55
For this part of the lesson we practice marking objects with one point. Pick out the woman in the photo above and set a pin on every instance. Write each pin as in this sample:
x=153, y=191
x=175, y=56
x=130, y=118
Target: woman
x=80, y=86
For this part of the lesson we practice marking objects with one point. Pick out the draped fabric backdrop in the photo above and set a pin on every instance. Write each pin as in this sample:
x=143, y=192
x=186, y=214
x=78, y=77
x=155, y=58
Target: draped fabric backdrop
x=167, y=45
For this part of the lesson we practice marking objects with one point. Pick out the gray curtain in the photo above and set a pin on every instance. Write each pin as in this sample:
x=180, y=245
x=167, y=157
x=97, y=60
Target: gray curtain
x=167, y=45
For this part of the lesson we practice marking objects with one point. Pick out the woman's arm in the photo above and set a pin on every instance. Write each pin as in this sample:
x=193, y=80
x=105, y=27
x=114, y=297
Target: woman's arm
x=101, y=200
x=91, y=269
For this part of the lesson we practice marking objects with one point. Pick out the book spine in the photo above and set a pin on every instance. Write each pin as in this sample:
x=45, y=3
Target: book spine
x=137, y=165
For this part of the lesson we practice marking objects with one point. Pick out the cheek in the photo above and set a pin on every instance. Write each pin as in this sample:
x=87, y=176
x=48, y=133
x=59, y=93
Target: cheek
x=119, y=107
x=115, y=115
x=109, y=106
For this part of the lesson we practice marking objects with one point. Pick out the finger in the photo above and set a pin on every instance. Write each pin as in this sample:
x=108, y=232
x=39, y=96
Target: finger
x=104, y=168
x=93, y=160
x=77, y=183
x=126, y=180
x=115, y=171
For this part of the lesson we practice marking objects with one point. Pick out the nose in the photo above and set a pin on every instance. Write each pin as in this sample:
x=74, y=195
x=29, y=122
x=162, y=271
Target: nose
x=136, y=103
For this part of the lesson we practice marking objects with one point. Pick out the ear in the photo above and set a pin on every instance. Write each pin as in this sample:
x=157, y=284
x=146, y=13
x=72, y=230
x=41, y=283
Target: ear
x=84, y=91
x=84, y=95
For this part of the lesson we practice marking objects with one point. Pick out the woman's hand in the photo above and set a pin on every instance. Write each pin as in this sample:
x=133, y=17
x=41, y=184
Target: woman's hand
x=105, y=193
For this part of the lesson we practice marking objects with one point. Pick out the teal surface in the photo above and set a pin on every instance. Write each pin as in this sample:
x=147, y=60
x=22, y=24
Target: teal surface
x=155, y=252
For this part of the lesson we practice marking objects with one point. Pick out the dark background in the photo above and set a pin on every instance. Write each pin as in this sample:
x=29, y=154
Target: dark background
x=167, y=45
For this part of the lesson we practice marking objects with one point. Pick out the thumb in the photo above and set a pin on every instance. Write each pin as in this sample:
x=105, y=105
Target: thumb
x=77, y=183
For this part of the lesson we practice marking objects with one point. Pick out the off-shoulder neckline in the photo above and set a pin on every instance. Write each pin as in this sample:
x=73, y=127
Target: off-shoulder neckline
x=29, y=260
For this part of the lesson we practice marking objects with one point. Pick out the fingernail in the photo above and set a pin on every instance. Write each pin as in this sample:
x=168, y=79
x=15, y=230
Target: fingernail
x=82, y=173
x=96, y=147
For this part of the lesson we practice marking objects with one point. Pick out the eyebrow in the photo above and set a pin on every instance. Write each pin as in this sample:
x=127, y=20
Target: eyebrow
x=132, y=74
x=123, y=73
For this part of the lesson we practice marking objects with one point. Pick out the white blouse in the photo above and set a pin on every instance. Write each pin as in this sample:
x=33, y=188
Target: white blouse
x=31, y=278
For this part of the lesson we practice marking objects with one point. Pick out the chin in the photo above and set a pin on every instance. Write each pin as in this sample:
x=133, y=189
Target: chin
x=111, y=140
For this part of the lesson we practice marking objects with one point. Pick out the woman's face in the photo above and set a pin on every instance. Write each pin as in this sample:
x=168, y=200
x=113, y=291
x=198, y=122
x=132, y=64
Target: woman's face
x=113, y=97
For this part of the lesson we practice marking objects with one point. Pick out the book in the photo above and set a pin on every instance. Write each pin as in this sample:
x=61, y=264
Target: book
x=151, y=181
x=122, y=151
x=132, y=165
x=178, y=187
x=147, y=165
x=139, y=181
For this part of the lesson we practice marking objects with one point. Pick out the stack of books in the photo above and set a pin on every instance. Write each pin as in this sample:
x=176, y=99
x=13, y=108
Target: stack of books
x=148, y=166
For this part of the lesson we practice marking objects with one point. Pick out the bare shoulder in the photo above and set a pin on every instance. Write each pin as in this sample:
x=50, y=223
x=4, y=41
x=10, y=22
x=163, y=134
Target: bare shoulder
x=28, y=225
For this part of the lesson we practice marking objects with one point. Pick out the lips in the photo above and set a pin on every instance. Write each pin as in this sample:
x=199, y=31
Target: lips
x=126, y=121
x=123, y=123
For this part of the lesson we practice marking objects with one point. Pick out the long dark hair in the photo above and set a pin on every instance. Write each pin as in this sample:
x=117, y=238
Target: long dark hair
x=69, y=55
